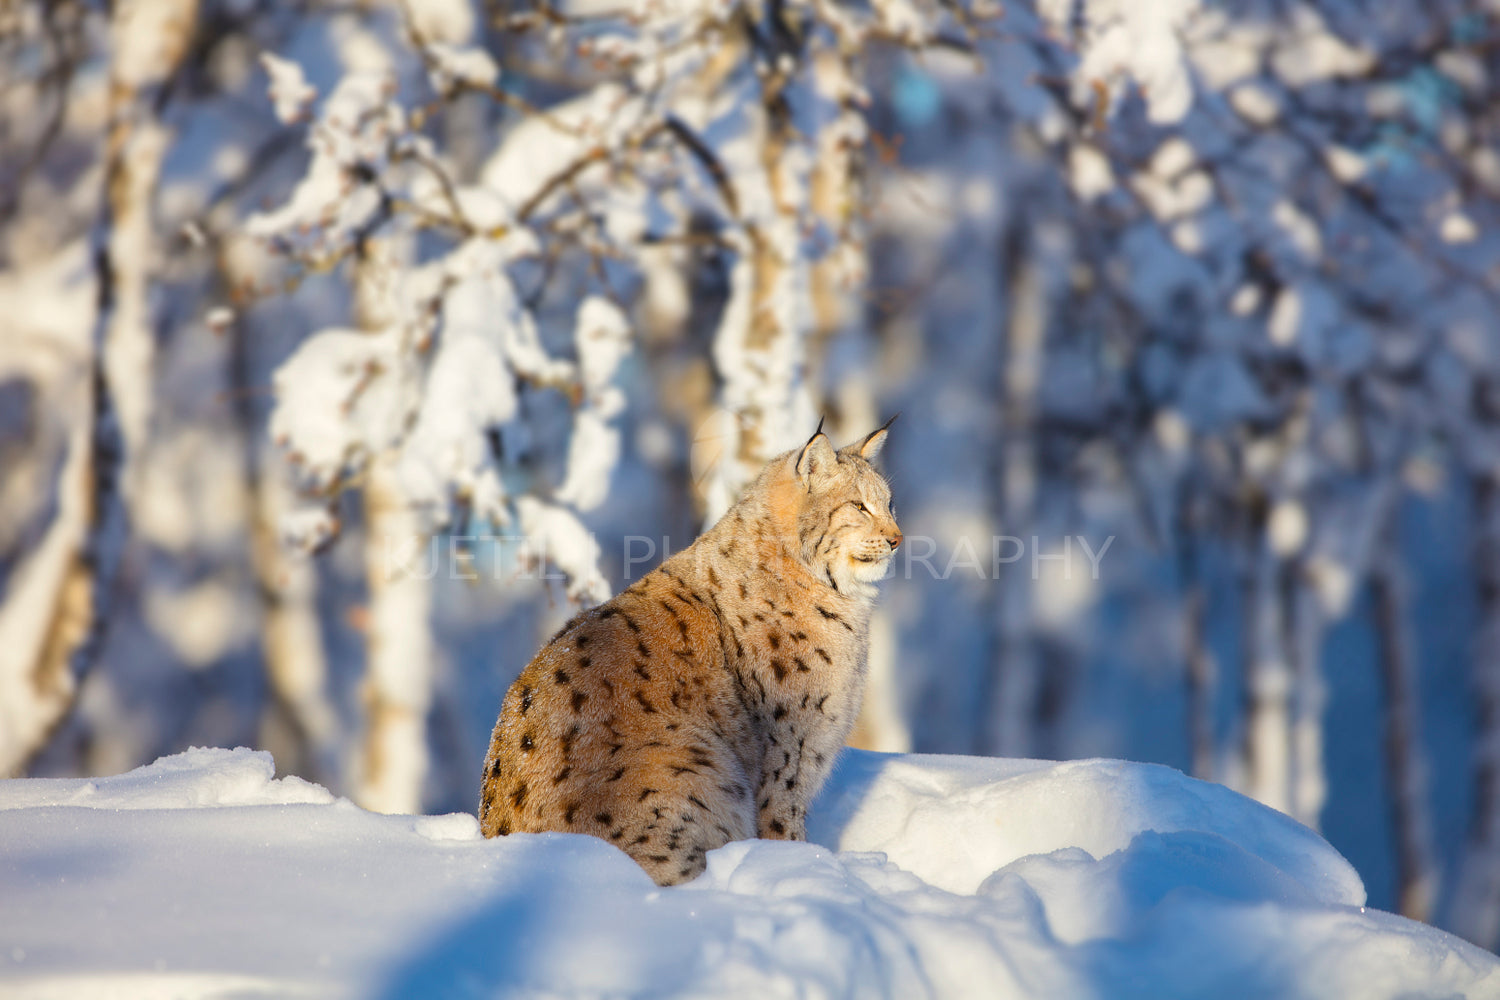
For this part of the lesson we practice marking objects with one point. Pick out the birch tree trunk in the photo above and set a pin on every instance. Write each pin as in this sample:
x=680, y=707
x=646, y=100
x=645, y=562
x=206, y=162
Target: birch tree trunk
x=1304, y=643
x=838, y=278
x=1268, y=677
x=302, y=730
x=47, y=614
x=1013, y=682
x=760, y=347
x=1405, y=759
x=398, y=650
x=1202, y=672
x=68, y=583
x=397, y=690
x=1476, y=905
x=292, y=641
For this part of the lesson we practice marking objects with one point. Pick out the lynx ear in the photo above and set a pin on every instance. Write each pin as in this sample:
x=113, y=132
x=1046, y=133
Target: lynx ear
x=873, y=442
x=816, y=457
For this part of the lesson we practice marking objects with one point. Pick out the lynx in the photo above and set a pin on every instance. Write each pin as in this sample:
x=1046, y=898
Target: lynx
x=707, y=702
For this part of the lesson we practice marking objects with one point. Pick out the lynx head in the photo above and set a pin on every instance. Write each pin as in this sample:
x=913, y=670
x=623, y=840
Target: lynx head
x=845, y=525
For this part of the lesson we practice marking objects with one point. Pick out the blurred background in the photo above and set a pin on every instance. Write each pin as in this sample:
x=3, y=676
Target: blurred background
x=333, y=382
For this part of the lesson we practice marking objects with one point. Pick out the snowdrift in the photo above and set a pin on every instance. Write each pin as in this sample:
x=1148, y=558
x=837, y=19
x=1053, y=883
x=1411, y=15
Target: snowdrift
x=203, y=875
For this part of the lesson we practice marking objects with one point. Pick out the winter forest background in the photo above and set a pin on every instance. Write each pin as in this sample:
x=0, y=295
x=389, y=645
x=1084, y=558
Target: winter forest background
x=345, y=347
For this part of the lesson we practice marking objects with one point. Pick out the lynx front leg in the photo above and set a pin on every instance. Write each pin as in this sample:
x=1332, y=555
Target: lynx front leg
x=799, y=756
x=782, y=816
x=786, y=788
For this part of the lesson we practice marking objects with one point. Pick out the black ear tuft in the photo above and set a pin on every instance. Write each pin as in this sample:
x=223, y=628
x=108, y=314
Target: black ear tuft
x=870, y=447
x=816, y=457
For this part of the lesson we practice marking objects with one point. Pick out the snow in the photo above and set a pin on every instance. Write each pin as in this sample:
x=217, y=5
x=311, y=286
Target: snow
x=602, y=334
x=542, y=147
x=442, y=21
x=903, y=20
x=555, y=535
x=469, y=386
x=1163, y=239
x=1311, y=52
x=1286, y=317
x=1255, y=103
x=1122, y=41
x=219, y=319
x=1287, y=527
x=453, y=65
x=148, y=39
x=204, y=875
x=1089, y=173
x=289, y=91
x=334, y=403
x=200, y=778
x=434, y=369
x=1458, y=228
x=603, y=338
x=357, y=133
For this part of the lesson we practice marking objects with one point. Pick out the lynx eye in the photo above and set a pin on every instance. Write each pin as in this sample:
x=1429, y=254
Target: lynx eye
x=861, y=507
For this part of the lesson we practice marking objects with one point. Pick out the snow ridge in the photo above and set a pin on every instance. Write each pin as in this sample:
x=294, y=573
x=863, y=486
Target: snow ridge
x=930, y=877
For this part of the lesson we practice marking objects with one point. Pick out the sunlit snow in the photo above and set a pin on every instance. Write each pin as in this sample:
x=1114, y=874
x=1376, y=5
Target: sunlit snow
x=202, y=875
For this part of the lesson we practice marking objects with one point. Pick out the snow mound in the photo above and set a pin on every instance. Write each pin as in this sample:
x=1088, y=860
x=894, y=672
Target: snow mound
x=1010, y=809
x=929, y=877
x=203, y=777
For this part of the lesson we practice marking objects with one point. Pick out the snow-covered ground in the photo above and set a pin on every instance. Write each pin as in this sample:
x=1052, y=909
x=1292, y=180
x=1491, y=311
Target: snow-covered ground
x=203, y=875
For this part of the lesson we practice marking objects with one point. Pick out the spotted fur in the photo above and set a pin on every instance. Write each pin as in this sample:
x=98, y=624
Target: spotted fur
x=707, y=702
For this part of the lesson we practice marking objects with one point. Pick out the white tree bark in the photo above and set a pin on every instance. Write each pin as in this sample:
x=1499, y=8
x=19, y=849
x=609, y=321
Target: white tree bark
x=64, y=589
x=398, y=650
x=1201, y=669
x=292, y=638
x=760, y=347
x=837, y=279
x=1406, y=759
x=1011, y=702
x=1202, y=683
x=1268, y=681
x=881, y=724
x=45, y=616
x=1309, y=779
x=397, y=691
x=1476, y=905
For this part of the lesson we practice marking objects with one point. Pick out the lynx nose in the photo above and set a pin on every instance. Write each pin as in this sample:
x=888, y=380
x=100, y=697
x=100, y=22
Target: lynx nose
x=895, y=541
